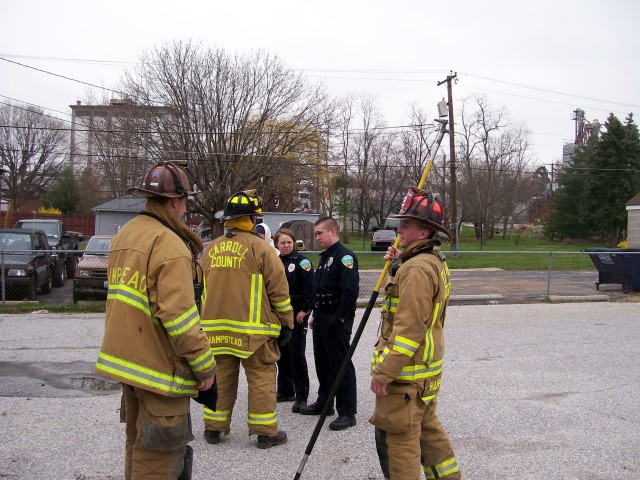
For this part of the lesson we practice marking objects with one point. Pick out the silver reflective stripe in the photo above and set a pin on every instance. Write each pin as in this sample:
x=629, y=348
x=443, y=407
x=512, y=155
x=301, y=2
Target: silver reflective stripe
x=145, y=376
x=183, y=322
x=202, y=362
x=261, y=418
x=130, y=297
x=256, y=298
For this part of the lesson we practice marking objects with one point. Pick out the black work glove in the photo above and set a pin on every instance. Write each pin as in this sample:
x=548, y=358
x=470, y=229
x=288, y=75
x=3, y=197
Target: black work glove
x=209, y=398
x=285, y=336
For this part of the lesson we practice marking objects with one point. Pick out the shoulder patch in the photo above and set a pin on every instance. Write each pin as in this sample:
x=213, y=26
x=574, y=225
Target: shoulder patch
x=347, y=261
x=305, y=264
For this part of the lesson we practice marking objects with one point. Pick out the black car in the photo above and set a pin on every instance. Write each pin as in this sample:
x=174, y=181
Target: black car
x=25, y=260
x=383, y=239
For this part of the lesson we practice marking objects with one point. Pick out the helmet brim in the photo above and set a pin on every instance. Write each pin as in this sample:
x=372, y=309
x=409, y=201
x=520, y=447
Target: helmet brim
x=431, y=225
x=141, y=192
x=221, y=217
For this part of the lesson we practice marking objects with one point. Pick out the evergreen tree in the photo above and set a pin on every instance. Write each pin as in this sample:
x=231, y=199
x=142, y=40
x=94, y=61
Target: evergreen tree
x=594, y=188
x=614, y=178
x=64, y=194
x=568, y=216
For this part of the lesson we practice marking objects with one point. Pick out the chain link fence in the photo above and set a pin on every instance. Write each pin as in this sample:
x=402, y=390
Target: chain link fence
x=528, y=277
x=476, y=276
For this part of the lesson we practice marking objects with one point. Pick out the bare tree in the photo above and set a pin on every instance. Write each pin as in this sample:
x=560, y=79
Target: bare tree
x=494, y=157
x=241, y=121
x=31, y=146
x=365, y=150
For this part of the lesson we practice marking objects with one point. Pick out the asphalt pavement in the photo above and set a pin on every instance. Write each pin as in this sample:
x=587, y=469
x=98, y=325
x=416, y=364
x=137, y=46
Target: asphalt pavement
x=535, y=391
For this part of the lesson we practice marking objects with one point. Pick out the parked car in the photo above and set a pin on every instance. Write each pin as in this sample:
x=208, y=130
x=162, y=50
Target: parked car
x=300, y=245
x=92, y=280
x=382, y=239
x=65, y=244
x=26, y=263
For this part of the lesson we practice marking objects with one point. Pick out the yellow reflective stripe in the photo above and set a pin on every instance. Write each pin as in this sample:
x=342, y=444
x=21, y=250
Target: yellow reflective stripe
x=216, y=416
x=145, y=376
x=182, y=323
x=415, y=372
x=231, y=351
x=446, y=279
x=284, y=306
x=203, y=362
x=427, y=400
x=405, y=346
x=238, y=326
x=429, y=345
x=390, y=303
x=256, y=298
x=261, y=418
x=203, y=297
x=130, y=296
x=442, y=470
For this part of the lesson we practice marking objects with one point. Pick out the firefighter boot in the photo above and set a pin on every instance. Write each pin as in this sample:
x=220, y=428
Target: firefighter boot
x=212, y=436
x=265, y=441
x=188, y=464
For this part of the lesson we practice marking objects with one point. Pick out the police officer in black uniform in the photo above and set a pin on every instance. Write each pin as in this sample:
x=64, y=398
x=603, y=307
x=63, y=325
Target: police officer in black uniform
x=293, y=375
x=335, y=296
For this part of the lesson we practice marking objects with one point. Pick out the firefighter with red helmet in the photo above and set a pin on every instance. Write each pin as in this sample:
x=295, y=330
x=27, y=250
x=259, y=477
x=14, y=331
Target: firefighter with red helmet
x=407, y=362
x=153, y=341
x=246, y=312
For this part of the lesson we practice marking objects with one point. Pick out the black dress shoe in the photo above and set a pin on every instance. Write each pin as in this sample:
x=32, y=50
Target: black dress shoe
x=297, y=406
x=315, y=409
x=285, y=398
x=342, y=423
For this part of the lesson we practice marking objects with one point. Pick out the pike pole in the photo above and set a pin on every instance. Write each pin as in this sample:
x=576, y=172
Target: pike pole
x=365, y=317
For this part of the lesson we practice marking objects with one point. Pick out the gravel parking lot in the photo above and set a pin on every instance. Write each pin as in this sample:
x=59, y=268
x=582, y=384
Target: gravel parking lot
x=533, y=391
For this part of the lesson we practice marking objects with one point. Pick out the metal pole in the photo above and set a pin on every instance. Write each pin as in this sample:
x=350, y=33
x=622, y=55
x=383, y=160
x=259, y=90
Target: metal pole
x=4, y=274
x=365, y=317
x=549, y=275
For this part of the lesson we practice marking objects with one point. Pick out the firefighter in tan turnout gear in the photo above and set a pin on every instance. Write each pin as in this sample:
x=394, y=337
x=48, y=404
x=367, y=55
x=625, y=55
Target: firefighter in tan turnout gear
x=152, y=339
x=246, y=312
x=407, y=362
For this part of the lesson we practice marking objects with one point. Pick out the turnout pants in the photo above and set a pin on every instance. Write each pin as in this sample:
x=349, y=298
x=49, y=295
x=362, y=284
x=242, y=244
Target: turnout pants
x=260, y=369
x=408, y=433
x=158, y=429
x=330, y=346
x=293, y=374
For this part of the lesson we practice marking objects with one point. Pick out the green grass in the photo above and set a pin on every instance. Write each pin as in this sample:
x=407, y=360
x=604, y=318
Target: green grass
x=480, y=256
x=28, y=307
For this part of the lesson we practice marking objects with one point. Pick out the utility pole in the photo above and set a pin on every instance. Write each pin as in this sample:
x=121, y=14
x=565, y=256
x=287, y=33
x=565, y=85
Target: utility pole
x=452, y=158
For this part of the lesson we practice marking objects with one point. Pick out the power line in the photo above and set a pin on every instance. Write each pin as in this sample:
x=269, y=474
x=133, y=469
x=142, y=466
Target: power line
x=555, y=92
x=39, y=106
x=62, y=76
x=115, y=63
x=32, y=111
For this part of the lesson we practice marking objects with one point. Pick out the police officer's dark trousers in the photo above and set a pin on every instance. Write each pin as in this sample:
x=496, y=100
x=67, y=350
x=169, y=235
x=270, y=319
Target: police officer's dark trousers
x=330, y=345
x=293, y=374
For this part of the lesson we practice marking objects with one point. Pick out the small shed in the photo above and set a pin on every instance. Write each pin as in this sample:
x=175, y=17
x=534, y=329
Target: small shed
x=275, y=220
x=633, y=222
x=112, y=215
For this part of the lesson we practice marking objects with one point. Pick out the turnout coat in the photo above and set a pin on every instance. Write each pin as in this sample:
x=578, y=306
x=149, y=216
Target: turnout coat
x=152, y=338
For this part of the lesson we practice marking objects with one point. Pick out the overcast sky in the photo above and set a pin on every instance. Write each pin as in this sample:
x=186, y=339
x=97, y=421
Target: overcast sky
x=539, y=59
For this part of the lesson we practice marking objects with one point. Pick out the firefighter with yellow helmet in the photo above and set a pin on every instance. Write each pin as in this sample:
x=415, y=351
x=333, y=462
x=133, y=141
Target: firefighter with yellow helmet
x=246, y=312
x=152, y=340
x=407, y=362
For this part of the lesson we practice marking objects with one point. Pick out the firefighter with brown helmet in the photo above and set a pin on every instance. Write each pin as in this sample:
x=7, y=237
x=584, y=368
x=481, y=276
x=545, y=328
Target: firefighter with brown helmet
x=246, y=312
x=153, y=341
x=407, y=362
